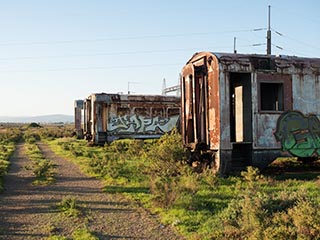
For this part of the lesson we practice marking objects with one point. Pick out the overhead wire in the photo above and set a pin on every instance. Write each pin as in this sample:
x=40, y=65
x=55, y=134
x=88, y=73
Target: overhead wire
x=124, y=38
x=92, y=68
x=114, y=53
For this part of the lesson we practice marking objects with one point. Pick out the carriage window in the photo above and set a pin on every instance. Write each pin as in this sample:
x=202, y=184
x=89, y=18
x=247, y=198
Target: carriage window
x=173, y=111
x=271, y=96
x=122, y=111
x=158, y=112
x=143, y=111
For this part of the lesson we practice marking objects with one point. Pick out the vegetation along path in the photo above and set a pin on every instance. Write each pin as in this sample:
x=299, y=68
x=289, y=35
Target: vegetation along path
x=30, y=211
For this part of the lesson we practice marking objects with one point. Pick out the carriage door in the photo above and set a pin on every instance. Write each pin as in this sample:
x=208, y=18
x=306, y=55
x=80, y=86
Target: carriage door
x=200, y=106
x=241, y=108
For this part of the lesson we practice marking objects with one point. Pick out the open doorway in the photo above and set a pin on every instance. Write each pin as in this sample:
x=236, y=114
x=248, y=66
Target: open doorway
x=240, y=108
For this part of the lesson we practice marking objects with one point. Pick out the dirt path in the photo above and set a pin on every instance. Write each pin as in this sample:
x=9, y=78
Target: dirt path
x=29, y=212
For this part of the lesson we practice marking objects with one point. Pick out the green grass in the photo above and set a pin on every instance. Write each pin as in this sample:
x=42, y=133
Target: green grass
x=42, y=168
x=6, y=150
x=8, y=140
x=69, y=207
x=78, y=234
x=201, y=206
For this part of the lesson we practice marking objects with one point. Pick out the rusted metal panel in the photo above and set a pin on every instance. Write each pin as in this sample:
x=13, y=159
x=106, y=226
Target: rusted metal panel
x=200, y=101
x=187, y=75
x=214, y=102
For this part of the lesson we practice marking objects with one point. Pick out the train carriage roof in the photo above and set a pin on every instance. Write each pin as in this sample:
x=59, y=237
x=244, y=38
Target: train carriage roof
x=295, y=60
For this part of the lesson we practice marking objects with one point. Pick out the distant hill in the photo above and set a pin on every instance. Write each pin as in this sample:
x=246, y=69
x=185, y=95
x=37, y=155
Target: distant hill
x=54, y=118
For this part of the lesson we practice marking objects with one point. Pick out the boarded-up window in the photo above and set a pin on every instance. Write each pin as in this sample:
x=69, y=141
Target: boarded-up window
x=271, y=96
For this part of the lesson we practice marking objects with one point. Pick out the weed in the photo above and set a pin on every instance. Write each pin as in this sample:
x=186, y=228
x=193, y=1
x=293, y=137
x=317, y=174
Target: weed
x=83, y=234
x=306, y=218
x=8, y=140
x=69, y=207
x=43, y=169
x=55, y=237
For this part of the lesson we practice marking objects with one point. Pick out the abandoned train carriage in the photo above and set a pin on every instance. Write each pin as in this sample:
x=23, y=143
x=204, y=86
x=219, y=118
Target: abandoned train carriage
x=240, y=109
x=108, y=117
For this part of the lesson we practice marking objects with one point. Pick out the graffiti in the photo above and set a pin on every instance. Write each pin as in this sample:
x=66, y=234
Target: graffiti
x=136, y=124
x=299, y=134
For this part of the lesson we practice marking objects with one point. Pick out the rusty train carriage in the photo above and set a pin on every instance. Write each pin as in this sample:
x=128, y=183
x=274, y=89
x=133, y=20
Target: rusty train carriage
x=108, y=117
x=240, y=109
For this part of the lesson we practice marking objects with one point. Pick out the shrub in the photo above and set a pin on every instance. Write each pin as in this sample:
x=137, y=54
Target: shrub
x=43, y=169
x=83, y=234
x=164, y=191
x=167, y=155
x=306, y=218
x=69, y=207
x=165, y=168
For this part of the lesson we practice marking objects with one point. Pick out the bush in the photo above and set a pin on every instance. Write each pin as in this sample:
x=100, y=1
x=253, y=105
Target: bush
x=69, y=207
x=83, y=234
x=164, y=191
x=43, y=169
x=165, y=168
x=306, y=218
x=167, y=155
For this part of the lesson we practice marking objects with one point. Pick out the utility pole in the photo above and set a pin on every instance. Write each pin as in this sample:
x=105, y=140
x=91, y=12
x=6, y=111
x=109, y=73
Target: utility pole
x=269, y=35
x=164, y=86
x=129, y=92
x=234, y=45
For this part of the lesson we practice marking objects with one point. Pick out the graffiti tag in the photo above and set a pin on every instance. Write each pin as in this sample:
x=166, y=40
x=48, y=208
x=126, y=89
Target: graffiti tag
x=299, y=134
x=142, y=125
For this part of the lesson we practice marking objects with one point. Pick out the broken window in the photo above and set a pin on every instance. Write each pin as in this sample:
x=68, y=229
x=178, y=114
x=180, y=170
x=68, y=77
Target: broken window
x=173, y=111
x=158, y=112
x=271, y=96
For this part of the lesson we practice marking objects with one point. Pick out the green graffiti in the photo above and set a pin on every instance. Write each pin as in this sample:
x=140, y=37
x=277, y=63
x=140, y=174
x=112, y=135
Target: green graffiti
x=299, y=134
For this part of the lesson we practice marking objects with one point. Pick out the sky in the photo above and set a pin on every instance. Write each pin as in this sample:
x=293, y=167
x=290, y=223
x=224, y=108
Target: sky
x=53, y=52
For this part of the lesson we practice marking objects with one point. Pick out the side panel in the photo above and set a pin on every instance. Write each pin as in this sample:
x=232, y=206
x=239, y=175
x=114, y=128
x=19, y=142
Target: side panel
x=78, y=107
x=265, y=121
x=224, y=97
x=201, y=103
x=306, y=93
x=143, y=117
x=187, y=104
x=214, y=103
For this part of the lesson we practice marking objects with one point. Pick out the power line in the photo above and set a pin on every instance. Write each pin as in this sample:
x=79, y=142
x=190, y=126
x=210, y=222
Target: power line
x=93, y=68
x=115, y=53
x=125, y=38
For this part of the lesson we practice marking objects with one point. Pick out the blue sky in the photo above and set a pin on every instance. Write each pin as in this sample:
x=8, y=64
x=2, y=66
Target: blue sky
x=53, y=52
